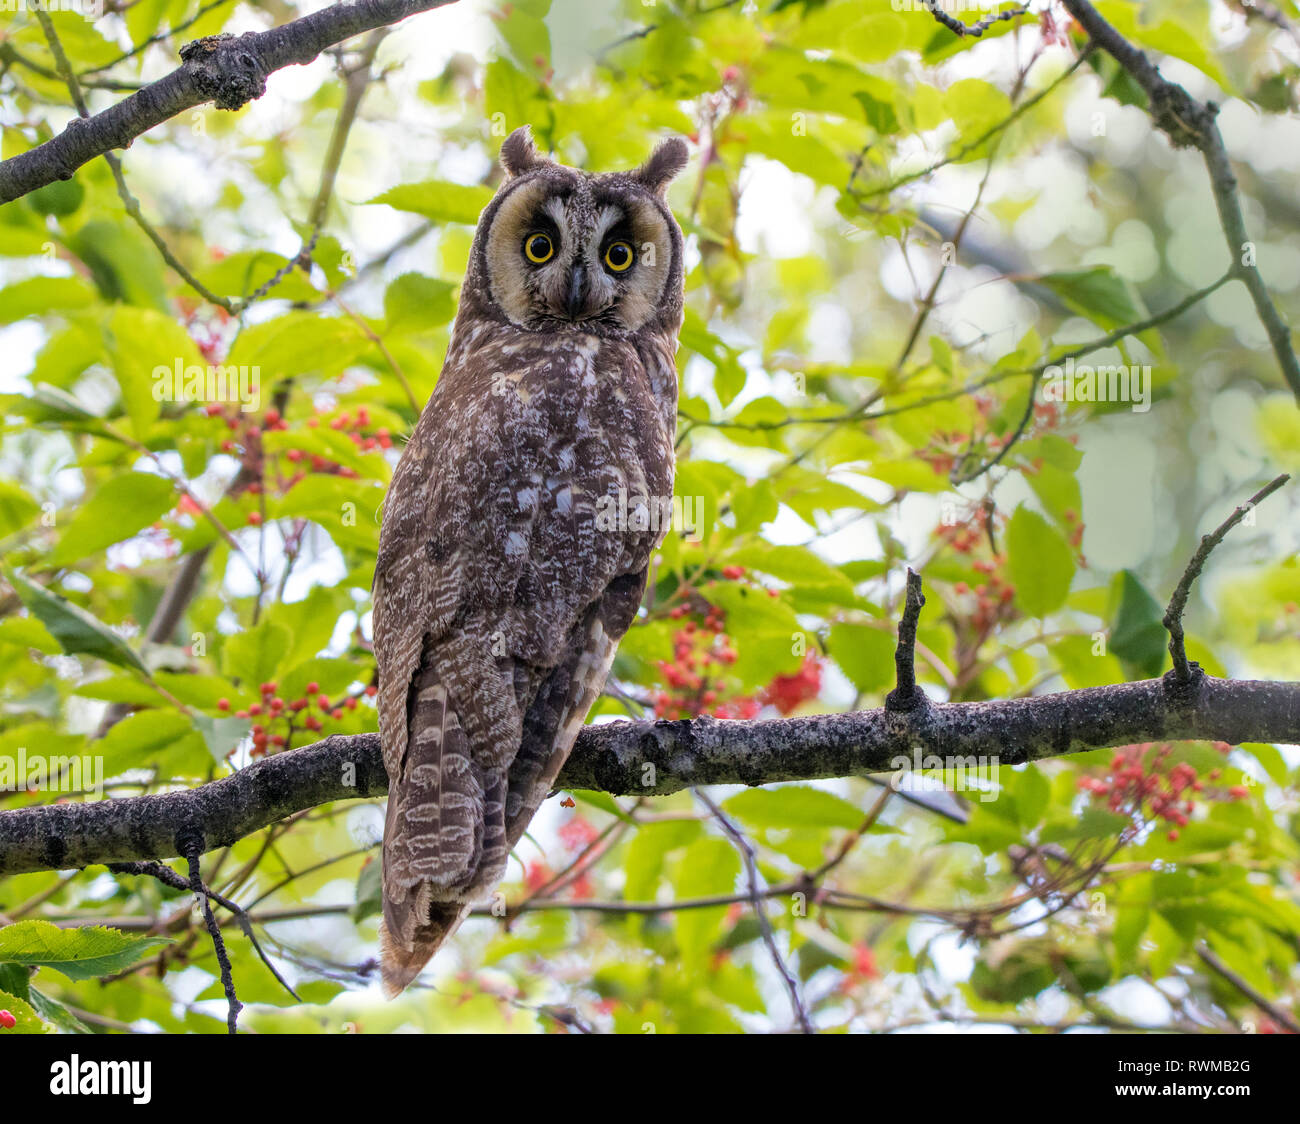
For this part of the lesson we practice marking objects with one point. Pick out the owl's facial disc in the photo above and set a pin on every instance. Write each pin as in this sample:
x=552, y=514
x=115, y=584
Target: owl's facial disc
x=574, y=250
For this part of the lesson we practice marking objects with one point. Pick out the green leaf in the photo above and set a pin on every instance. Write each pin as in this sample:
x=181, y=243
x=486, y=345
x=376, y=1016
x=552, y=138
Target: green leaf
x=296, y=344
x=26, y=1020
x=141, y=739
x=864, y=654
x=59, y=198
x=754, y=506
x=80, y=954
x=52, y=1011
x=38, y=296
x=238, y=275
x=221, y=735
x=1098, y=293
x=370, y=892
x=77, y=632
x=414, y=301
x=792, y=806
x=1137, y=633
x=709, y=867
x=507, y=98
x=1039, y=563
x=253, y=656
x=17, y=508
x=644, y=863
x=141, y=344
x=1095, y=823
x=119, y=509
x=438, y=200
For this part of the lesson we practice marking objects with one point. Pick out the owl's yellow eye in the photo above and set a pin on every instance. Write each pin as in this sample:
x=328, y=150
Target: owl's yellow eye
x=619, y=256
x=538, y=248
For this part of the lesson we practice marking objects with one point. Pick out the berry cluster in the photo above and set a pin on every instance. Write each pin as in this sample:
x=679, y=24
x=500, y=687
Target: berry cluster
x=292, y=717
x=1142, y=785
x=701, y=652
x=862, y=967
x=994, y=596
x=788, y=692
x=245, y=443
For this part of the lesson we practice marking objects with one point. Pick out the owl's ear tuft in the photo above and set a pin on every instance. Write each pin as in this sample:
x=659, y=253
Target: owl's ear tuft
x=519, y=154
x=664, y=163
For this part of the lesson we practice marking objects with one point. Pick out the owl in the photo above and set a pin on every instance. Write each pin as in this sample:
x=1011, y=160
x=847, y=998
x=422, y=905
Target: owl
x=515, y=540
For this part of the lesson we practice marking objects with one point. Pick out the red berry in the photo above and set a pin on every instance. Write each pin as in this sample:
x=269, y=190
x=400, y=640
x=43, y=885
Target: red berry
x=223, y=704
x=7, y=1020
x=313, y=687
x=256, y=708
x=323, y=702
x=371, y=690
x=255, y=518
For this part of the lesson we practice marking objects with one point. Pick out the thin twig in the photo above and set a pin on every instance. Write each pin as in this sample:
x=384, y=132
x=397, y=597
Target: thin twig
x=746, y=850
x=1273, y=1011
x=170, y=878
x=234, y=1006
x=1173, y=620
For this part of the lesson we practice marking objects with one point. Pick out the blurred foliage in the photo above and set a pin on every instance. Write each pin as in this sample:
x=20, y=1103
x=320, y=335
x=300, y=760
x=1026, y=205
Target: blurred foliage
x=858, y=392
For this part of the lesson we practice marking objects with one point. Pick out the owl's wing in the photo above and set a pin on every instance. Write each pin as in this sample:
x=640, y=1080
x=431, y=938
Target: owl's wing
x=565, y=696
x=451, y=822
x=445, y=816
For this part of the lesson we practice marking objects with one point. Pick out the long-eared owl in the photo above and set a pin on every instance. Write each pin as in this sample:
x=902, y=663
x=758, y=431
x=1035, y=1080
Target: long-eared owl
x=500, y=591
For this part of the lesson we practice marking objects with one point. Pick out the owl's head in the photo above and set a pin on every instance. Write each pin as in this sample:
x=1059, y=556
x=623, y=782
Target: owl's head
x=561, y=248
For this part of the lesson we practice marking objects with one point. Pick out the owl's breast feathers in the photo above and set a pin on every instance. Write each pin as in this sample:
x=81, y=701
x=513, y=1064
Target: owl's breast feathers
x=507, y=572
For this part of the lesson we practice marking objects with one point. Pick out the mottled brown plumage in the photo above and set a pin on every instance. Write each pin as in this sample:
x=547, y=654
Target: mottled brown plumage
x=501, y=587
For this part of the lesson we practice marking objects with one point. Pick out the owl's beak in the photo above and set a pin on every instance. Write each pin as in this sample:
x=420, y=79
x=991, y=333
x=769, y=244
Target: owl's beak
x=577, y=297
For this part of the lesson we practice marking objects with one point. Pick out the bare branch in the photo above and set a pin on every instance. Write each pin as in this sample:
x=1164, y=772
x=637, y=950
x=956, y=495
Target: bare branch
x=223, y=69
x=654, y=758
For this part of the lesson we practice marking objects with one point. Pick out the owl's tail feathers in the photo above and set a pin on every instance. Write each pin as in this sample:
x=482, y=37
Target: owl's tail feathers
x=400, y=963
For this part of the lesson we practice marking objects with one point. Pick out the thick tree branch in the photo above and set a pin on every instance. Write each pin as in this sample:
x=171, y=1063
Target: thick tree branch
x=653, y=758
x=223, y=69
